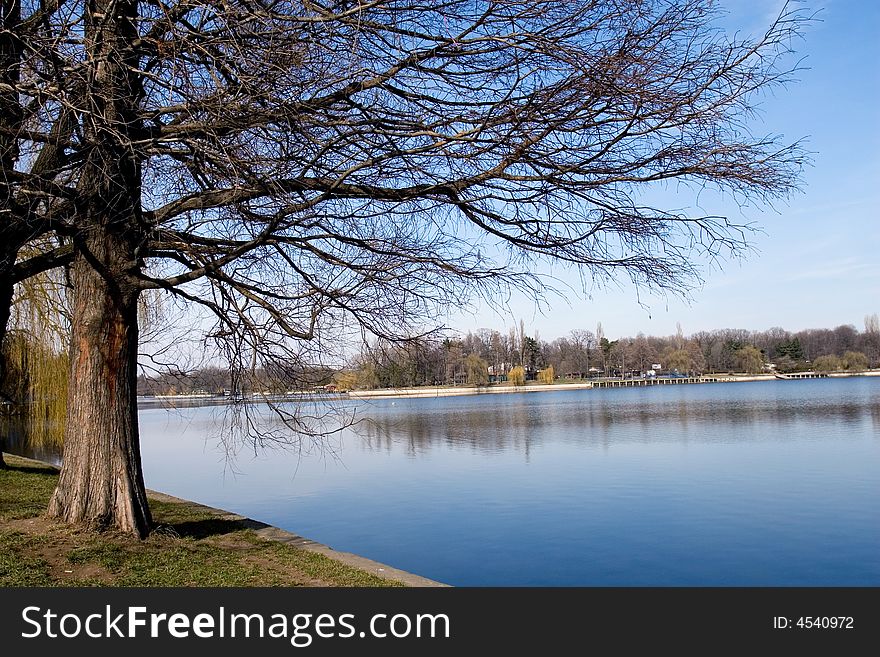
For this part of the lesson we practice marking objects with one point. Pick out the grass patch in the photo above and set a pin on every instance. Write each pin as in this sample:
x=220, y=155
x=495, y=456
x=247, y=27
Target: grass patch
x=176, y=562
x=191, y=546
x=25, y=488
x=323, y=568
x=18, y=565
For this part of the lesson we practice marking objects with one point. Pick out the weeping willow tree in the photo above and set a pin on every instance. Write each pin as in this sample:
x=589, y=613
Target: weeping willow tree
x=35, y=390
x=34, y=374
x=34, y=356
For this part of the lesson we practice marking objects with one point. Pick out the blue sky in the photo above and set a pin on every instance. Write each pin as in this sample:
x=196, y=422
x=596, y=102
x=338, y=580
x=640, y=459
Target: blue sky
x=816, y=261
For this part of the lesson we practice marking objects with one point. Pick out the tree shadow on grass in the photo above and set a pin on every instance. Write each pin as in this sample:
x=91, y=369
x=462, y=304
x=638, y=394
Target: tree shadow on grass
x=45, y=470
x=199, y=529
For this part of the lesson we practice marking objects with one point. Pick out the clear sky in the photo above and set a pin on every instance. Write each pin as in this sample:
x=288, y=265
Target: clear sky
x=817, y=260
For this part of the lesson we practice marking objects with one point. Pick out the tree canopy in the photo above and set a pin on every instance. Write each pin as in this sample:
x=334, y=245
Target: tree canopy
x=299, y=169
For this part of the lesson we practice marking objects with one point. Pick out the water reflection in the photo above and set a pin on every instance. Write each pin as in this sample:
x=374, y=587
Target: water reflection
x=519, y=426
x=15, y=442
x=419, y=433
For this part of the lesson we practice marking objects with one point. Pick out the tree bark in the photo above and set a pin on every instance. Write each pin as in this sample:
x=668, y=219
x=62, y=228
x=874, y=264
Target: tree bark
x=101, y=482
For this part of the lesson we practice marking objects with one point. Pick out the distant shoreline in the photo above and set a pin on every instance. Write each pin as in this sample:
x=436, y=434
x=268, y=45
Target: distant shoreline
x=450, y=391
x=427, y=392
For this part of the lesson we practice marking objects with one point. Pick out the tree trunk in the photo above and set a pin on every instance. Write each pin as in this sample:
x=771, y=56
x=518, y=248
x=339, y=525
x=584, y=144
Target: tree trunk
x=101, y=482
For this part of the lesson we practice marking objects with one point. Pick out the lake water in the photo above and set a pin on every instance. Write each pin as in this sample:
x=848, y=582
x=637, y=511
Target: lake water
x=753, y=484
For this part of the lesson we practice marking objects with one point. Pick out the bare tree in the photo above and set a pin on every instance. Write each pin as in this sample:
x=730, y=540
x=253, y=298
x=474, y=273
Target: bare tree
x=872, y=338
x=603, y=345
x=583, y=342
x=299, y=169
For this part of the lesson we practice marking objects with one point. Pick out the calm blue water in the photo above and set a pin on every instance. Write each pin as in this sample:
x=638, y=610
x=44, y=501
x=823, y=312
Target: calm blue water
x=757, y=484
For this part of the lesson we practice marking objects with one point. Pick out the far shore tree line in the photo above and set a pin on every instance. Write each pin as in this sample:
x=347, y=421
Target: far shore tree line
x=491, y=356
x=514, y=358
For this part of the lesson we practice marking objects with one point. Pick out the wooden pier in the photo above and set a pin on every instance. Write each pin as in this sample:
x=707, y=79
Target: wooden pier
x=802, y=375
x=655, y=381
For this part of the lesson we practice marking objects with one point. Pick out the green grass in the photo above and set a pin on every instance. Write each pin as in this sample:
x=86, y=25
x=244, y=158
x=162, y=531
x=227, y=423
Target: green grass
x=25, y=488
x=320, y=567
x=18, y=567
x=167, y=564
x=191, y=546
